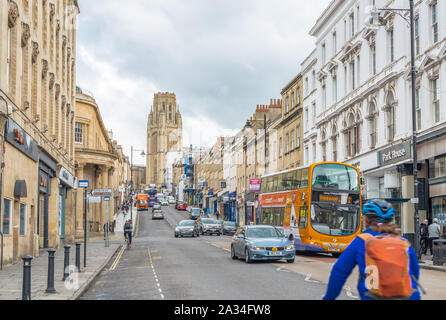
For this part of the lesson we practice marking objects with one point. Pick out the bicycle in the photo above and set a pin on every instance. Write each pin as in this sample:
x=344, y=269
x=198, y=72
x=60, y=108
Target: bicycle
x=423, y=243
x=127, y=240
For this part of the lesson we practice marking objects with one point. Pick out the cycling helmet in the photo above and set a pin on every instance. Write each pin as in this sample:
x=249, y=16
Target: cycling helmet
x=379, y=209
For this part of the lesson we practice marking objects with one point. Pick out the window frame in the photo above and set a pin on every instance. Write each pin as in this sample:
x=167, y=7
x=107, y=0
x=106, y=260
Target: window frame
x=78, y=134
x=9, y=233
x=22, y=228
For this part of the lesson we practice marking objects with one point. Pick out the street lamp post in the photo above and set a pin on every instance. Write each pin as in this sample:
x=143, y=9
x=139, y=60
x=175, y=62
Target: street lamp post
x=378, y=20
x=131, y=174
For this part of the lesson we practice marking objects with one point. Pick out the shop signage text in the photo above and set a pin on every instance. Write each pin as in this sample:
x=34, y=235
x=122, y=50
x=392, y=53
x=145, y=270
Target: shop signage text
x=394, y=154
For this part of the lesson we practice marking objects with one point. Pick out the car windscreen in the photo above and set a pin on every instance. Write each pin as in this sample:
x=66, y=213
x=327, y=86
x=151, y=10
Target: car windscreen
x=186, y=223
x=230, y=224
x=209, y=221
x=263, y=233
x=157, y=211
x=196, y=211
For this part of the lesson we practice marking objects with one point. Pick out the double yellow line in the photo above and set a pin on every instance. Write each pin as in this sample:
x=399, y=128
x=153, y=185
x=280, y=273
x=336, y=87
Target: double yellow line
x=118, y=257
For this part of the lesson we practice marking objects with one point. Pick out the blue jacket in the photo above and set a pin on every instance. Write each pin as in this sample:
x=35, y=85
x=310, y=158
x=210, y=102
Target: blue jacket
x=354, y=255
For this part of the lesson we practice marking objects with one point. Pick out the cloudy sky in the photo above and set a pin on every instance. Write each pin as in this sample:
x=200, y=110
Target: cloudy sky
x=220, y=57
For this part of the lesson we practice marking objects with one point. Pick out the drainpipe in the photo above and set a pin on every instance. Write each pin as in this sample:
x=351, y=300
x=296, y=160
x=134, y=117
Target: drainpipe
x=2, y=166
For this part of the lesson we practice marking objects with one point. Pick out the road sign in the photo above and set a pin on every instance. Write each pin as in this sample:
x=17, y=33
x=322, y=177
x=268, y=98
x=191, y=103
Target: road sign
x=84, y=184
x=183, y=176
x=102, y=192
x=106, y=198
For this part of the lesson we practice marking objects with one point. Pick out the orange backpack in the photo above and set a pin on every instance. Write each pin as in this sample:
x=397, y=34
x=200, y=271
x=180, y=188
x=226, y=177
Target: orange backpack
x=387, y=267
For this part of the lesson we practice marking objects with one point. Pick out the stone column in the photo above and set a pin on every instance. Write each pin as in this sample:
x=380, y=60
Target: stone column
x=53, y=214
x=105, y=185
x=79, y=208
x=113, y=186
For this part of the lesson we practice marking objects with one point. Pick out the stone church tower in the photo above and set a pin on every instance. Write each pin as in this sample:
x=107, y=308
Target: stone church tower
x=164, y=134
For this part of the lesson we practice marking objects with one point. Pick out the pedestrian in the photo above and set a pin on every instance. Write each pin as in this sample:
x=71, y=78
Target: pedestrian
x=114, y=223
x=217, y=214
x=374, y=282
x=434, y=233
x=105, y=229
x=424, y=233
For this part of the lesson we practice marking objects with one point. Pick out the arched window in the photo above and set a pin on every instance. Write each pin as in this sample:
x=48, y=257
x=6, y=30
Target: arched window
x=352, y=141
x=334, y=143
x=371, y=116
x=390, y=116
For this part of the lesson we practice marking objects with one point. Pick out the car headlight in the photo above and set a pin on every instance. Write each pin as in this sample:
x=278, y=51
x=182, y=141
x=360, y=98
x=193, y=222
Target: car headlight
x=290, y=248
x=176, y=229
x=191, y=229
x=256, y=248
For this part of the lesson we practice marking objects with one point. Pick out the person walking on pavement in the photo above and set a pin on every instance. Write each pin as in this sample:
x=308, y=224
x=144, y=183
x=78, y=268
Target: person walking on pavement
x=424, y=233
x=114, y=222
x=403, y=284
x=217, y=214
x=434, y=233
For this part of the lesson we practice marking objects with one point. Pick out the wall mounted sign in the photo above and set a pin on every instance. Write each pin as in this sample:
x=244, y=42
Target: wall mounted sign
x=395, y=154
x=254, y=185
x=16, y=136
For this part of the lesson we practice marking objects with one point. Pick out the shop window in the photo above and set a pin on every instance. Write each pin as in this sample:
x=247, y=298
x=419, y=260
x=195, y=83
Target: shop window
x=439, y=209
x=22, y=219
x=7, y=216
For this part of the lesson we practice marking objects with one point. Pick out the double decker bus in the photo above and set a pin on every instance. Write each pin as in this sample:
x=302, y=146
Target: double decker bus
x=152, y=192
x=319, y=204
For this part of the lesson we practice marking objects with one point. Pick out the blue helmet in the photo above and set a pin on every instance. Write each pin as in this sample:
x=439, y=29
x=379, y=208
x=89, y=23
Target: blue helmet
x=380, y=209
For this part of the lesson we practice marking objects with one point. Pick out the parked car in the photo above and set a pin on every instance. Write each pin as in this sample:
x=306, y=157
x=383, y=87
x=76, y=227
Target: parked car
x=209, y=226
x=187, y=228
x=228, y=227
x=195, y=213
x=259, y=242
x=181, y=206
x=157, y=214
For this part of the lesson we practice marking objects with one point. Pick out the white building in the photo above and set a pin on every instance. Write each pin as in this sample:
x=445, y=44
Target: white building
x=363, y=101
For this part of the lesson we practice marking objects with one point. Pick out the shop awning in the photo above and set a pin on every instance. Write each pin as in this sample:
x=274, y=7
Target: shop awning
x=20, y=189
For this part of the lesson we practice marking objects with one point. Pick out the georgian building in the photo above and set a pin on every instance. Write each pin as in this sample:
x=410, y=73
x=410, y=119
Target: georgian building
x=37, y=105
x=99, y=160
x=363, y=113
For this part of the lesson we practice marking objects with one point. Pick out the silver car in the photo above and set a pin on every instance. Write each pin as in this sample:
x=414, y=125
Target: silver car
x=157, y=214
x=187, y=228
x=209, y=226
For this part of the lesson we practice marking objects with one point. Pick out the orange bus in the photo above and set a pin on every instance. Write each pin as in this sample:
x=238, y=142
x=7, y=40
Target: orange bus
x=319, y=204
x=142, y=202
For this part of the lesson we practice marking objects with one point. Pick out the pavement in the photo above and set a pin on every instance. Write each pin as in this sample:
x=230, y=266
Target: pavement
x=98, y=256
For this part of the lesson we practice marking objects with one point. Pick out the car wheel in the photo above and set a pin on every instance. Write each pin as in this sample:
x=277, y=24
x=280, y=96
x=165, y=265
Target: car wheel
x=198, y=234
x=290, y=261
x=193, y=235
x=247, y=257
x=176, y=236
x=233, y=256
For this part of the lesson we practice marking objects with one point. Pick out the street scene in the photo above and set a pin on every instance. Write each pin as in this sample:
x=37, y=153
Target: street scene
x=222, y=151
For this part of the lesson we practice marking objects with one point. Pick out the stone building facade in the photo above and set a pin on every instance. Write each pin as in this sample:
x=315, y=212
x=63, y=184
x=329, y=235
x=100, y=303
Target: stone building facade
x=37, y=85
x=363, y=108
x=164, y=134
x=139, y=177
x=100, y=160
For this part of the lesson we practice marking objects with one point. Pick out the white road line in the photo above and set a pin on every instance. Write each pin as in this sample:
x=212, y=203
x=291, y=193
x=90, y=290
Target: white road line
x=154, y=274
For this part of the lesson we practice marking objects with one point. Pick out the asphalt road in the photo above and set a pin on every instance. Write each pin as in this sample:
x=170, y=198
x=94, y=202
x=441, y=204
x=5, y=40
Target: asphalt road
x=160, y=266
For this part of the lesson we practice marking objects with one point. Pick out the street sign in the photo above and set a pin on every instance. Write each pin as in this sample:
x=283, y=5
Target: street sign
x=84, y=184
x=183, y=176
x=106, y=198
x=102, y=192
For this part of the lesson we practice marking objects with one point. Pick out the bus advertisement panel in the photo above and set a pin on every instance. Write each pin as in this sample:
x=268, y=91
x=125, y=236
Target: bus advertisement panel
x=320, y=205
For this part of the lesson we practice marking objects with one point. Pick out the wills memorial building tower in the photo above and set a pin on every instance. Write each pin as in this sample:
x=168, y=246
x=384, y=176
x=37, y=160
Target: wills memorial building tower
x=164, y=134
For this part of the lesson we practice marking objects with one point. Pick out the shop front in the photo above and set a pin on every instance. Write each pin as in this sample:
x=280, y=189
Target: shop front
x=66, y=186
x=47, y=172
x=388, y=175
x=432, y=153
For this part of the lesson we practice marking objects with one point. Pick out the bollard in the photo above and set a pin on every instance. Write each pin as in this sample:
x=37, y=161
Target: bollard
x=78, y=256
x=66, y=263
x=50, y=284
x=26, y=288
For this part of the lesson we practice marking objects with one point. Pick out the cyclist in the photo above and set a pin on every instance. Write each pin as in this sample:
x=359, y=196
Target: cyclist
x=378, y=218
x=128, y=228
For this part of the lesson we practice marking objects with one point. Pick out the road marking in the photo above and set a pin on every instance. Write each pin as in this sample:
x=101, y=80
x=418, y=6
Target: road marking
x=154, y=272
x=349, y=293
x=115, y=263
x=308, y=279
